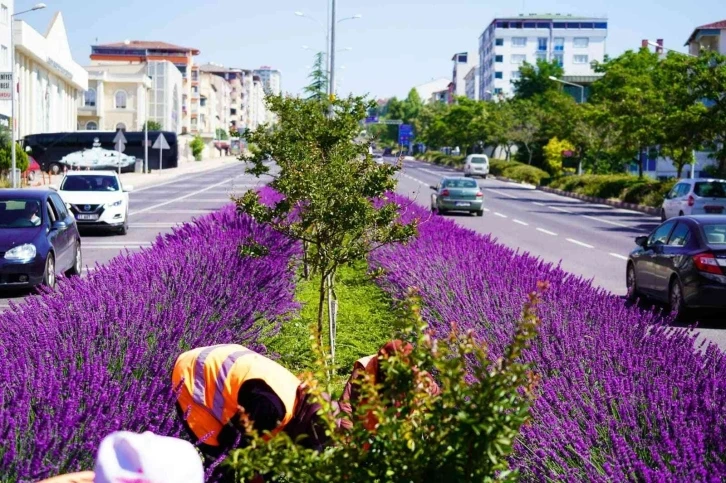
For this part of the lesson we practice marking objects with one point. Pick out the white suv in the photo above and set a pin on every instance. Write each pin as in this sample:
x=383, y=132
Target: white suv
x=97, y=198
x=698, y=196
x=476, y=165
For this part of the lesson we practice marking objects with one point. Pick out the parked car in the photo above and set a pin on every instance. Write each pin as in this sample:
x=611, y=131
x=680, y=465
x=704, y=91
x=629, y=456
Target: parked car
x=682, y=263
x=476, y=165
x=695, y=197
x=457, y=194
x=97, y=199
x=38, y=239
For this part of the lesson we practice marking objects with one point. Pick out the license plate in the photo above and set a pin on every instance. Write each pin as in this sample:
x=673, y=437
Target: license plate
x=462, y=203
x=714, y=209
x=88, y=217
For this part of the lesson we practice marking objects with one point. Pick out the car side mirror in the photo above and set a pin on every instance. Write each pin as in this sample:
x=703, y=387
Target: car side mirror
x=641, y=241
x=128, y=188
x=59, y=225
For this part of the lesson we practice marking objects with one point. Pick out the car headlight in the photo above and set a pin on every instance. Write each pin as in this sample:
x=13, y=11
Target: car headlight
x=21, y=252
x=116, y=203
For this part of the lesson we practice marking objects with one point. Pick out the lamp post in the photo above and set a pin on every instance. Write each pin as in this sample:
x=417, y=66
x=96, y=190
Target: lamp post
x=582, y=88
x=39, y=6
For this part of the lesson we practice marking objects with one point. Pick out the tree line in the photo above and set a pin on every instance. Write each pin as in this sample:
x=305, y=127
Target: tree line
x=644, y=102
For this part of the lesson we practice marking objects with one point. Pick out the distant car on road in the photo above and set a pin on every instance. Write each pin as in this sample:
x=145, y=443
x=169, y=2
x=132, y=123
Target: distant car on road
x=695, y=197
x=476, y=165
x=38, y=239
x=378, y=158
x=457, y=194
x=682, y=262
x=97, y=199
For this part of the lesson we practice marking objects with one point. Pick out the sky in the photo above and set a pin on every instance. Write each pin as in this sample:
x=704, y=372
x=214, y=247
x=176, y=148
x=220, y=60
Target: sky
x=396, y=44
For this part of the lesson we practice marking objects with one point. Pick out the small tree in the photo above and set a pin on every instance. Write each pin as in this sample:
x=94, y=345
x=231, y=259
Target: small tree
x=332, y=189
x=318, y=87
x=197, y=146
x=152, y=126
x=526, y=126
x=554, y=154
x=221, y=134
x=21, y=157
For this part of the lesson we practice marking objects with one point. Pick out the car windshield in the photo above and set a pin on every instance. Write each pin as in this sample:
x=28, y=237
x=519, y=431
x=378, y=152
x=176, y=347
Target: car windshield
x=91, y=182
x=460, y=183
x=19, y=213
x=478, y=160
x=710, y=189
x=715, y=233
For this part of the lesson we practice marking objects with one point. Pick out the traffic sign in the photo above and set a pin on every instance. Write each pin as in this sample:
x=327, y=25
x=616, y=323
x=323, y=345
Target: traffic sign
x=405, y=134
x=372, y=120
x=161, y=145
x=6, y=86
x=120, y=141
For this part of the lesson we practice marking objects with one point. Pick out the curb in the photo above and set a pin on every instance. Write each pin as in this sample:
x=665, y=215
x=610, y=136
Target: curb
x=648, y=210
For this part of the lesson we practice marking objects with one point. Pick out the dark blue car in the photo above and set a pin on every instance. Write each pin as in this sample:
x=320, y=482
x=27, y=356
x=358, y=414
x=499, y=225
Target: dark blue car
x=38, y=239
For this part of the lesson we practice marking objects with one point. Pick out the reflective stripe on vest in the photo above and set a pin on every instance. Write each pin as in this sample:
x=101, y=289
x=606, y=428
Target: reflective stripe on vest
x=211, y=378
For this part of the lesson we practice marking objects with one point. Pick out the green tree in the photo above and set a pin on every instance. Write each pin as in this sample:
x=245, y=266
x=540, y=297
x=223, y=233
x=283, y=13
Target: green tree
x=593, y=134
x=318, y=87
x=152, y=126
x=331, y=188
x=526, y=126
x=431, y=125
x=499, y=125
x=709, y=82
x=197, y=146
x=222, y=134
x=554, y=154
x=464, y=123
x=6, y=158
x=535, y=79
x=412, y=106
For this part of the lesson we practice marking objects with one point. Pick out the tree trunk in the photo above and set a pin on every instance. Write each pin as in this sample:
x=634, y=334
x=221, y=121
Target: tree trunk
x=529, y=153
x=306, y=268
x=640, y=163
x=332, y=316
x=321, y=310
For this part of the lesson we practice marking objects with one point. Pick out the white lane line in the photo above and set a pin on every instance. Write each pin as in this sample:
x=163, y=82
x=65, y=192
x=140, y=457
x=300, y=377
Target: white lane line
x=503, y=194
x=559, y=209
x=118, y=247
x=210, y=200
x=487, y=210
x=576, y=242
x=538, y=203
x=152, y=224
x=609, y=222
x=547, y=232
x=499, y=215
x=188, y=195
x=617, y=255
x=521, y=223
x=181, y=212
x=176, y=179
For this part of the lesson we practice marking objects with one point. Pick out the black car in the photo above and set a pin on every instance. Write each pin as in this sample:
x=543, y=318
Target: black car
x=682, y=262
x=38, y=239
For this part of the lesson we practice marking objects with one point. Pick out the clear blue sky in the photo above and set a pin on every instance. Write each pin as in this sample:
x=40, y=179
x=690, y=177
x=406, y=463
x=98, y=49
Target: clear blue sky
x=396, y=45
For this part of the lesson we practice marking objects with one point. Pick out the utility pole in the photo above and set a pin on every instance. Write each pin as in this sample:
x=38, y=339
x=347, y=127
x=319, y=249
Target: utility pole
x=331, y=80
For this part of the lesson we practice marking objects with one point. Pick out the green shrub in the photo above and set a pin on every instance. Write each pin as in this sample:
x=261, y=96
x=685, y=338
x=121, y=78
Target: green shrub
x=624, y=187
x=526, y=174
x=497, y=166
x=463, y=434
x=197, y=146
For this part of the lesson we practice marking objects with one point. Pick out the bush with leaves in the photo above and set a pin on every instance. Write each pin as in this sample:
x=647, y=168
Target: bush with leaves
x=464, y=433
x=21, y=157
x=197, y=146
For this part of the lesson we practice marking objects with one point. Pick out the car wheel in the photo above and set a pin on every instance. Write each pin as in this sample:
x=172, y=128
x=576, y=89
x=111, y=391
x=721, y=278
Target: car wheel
x=662, y=215
x=675, y=299
x=77, y=267
x=630, y=284
x=680, y=213
x=480, y=213
x=441, y=211
x=54, y=168
x=125, y=227
x=49, y=275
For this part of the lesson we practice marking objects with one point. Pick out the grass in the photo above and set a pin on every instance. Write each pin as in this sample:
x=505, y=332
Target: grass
x=365, y=323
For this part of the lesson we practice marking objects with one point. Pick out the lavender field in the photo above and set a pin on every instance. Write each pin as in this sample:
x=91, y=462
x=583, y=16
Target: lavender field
x=622, y=397
x=96, y=355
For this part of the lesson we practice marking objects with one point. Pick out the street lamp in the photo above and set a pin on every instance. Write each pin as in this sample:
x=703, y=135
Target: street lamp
x=582, y=88
x=39, y=6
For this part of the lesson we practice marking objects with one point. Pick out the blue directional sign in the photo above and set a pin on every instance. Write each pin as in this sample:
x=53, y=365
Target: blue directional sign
x=405, y=134
x=372, y=120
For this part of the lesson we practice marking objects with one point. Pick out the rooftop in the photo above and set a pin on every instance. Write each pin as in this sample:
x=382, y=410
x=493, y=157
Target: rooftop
x=147, y=45
x=720, y=25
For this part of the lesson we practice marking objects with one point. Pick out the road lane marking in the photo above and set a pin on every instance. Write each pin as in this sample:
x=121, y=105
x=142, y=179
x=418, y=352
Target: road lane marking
x=617, y=255
x=609, y=222
x=181, y=212
x=184, y=197
x=520, y=222
x=577, y=242
x=487, y=210
x=152, y=224
x=210, y=200
x=539, y=204
x=547, y=232
x=176, y=179
x=559, y=209
x=503, y=194
x=499, y=215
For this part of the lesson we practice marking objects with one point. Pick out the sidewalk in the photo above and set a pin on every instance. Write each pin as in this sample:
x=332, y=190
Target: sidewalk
x=139, y=180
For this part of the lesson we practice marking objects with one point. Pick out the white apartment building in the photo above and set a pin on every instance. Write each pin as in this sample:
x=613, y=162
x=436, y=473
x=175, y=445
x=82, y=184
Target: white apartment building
x=50, y=83
x=271, y=80
x=507, y=43
x=471, y=83
x=165, y=99
x=426, y=91
x=6, y=11
x=462, y=64
x=711, y=36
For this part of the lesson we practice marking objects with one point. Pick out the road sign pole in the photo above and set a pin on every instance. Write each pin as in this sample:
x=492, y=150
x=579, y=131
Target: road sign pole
x=161, y=151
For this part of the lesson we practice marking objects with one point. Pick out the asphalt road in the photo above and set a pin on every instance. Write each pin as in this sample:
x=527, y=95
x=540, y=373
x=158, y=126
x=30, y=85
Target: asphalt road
x=157, y=209
x=586, y=239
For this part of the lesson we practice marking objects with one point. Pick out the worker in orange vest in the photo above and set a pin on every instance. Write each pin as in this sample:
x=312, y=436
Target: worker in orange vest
x=217, y=384
x=371, y=365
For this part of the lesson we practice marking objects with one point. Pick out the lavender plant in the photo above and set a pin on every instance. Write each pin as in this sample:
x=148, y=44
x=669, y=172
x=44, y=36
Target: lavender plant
x=623, y=397
x=95, y=356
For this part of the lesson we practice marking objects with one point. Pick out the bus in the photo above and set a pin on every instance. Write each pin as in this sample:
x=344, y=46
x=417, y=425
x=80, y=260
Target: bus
x=55, y=152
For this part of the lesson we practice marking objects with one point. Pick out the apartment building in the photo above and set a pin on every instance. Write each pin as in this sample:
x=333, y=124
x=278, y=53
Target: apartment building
x=6, y=11
x=507, y=43
x=711, y=36
x=271, y=80
x=462, y=64
x=471, y=83
x=147, y=52
x=426, y=91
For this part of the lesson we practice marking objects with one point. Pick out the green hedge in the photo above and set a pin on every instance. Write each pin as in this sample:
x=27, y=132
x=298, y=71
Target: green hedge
x=509, y=169
x=631, y=189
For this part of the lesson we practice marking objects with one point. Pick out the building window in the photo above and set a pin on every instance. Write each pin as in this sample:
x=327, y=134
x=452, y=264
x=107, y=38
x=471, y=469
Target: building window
x=559, y=44
x=89, y=98
x=516, y=75
x=497, y=90
x=559, y=58
x=542, y=43
x=530, y=25
x=540, y=56
x=519, y=41
x=5, y=56
x=91, y=126
x=580, y=42
x=580, y=59
x=498, y=58
x=498, y=75
x=4, y=14
x=519, y=59
x=121, y=126
x=601, y=25
x=559, y=25
x=499, y=42
x=120, y=99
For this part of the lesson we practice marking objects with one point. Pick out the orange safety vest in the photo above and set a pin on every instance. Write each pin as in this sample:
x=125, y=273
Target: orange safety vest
x=211, y=377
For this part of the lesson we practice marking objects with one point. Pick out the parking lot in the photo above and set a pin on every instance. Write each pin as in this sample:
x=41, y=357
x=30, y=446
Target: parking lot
x=155, y=209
